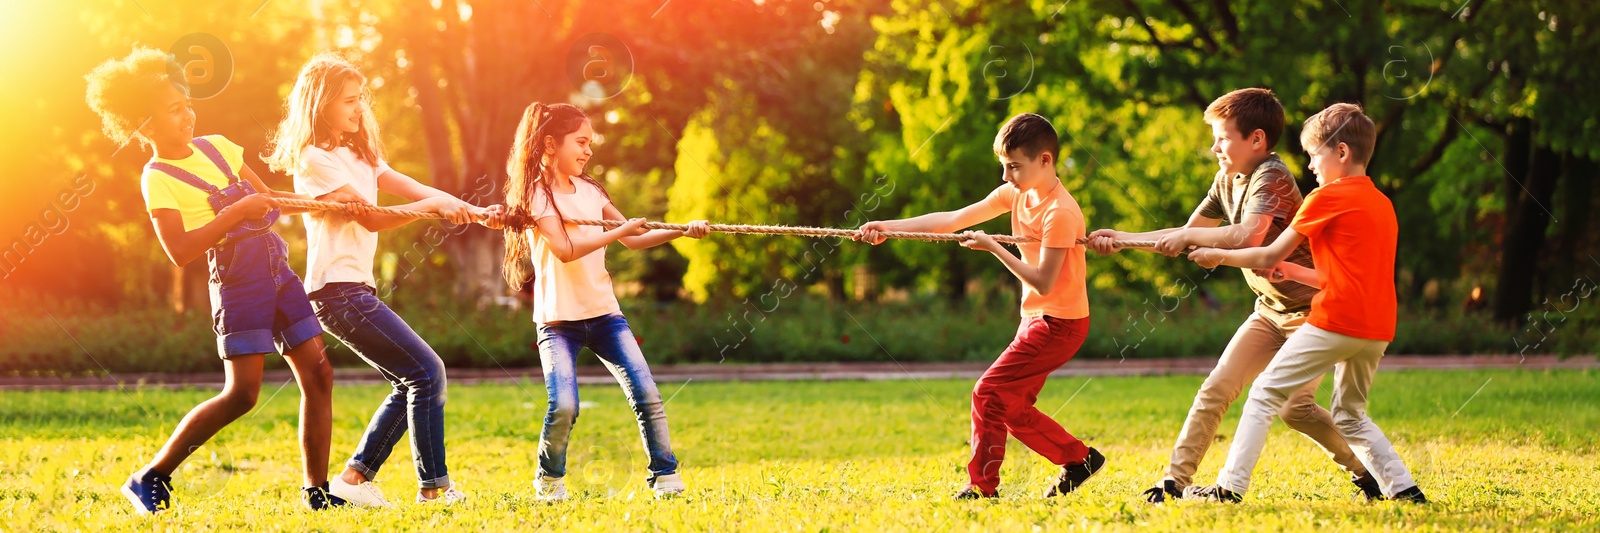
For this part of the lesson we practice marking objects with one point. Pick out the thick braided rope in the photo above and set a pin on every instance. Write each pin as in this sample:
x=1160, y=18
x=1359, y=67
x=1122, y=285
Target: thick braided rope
x=746, y=229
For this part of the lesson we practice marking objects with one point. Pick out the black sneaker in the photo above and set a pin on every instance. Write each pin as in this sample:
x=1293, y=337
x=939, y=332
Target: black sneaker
x=1214, y=493
x=1368, y=486
x=1413, y=495
x=1159, y=493
x=150, y=492
x=1073, y=475
x=318, y=498
x=973, y=493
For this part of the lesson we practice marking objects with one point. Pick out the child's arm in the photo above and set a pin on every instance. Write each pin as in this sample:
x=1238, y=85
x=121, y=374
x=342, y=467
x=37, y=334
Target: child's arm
x=1249, y=233
x=185, y=246
x=1256, y=257
x=568, y=248
x=427, y=199
x=424, y=198
x=374, y=221
x=255, y=181
x=1296, y=273
x=654, y=238
x=404, y=186
x=940, y=222
x=1101, y=240
x=1042, y=278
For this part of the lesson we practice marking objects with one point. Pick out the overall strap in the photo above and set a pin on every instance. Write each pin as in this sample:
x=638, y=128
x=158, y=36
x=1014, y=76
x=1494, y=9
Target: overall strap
x=183, y=176
x=211, y=152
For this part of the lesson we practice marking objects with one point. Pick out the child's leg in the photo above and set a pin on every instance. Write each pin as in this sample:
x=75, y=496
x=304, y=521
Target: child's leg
x=614, y=342
x=1031, y=426
x=558, y=354
x=1352, y=379
x=1302, y=413
x=1002, y=400
x=237, y=398
x=1248, y=353
x=1253, y=346
x=314, y=374
x=1307, y=355
x=387, y=427
x=298, y=336
x=355, y=316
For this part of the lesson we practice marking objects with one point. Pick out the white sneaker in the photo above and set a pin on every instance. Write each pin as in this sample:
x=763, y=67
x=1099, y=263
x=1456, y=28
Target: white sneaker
x=364, y=495
x=550, y=489
x=668, y=486
x=450, y=496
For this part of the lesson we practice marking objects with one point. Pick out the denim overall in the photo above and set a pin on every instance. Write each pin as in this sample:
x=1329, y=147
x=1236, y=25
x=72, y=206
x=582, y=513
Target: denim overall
x=258, y=304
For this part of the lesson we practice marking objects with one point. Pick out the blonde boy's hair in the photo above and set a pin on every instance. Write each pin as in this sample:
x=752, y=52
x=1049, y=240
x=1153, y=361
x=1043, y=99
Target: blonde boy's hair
x=122, y=91
x=1341, y=123
x=319, y=84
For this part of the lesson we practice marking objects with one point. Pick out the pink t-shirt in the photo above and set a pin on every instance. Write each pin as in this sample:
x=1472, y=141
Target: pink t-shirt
x=580, y=289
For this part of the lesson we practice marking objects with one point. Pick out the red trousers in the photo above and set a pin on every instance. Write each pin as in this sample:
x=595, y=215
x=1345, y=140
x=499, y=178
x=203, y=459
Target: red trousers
x=1002, y=401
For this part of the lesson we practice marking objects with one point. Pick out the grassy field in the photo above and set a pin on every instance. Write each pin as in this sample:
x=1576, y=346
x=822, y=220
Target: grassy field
x=1496, y=450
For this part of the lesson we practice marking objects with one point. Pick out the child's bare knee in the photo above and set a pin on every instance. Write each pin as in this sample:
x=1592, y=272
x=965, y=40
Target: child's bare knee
x=318, y=377
x=238, y=401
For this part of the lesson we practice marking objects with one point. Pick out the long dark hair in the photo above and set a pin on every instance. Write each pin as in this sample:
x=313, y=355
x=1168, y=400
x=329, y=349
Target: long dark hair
x=527, y=171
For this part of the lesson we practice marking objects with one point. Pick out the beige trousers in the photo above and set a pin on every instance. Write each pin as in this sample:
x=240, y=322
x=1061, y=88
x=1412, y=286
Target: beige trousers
x=1305, y=359
x=1251, y=350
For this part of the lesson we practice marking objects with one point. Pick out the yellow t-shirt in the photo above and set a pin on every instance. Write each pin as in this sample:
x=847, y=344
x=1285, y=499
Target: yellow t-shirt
x=1055, y=219
x=162, y=191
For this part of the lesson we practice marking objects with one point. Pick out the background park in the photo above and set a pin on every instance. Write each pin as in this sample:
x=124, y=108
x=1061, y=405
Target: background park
x=822, y=114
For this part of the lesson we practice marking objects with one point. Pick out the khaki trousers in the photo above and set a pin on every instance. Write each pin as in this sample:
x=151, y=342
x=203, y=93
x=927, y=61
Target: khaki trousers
x=1251, y=350
x=1305, y=359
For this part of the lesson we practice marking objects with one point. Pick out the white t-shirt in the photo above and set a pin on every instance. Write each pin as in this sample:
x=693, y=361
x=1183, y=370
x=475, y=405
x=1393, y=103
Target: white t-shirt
x=339, y=248
x=580, y=289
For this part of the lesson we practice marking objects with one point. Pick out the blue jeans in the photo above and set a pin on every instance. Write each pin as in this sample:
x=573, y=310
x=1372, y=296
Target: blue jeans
x=610, y=338
x=352, y=313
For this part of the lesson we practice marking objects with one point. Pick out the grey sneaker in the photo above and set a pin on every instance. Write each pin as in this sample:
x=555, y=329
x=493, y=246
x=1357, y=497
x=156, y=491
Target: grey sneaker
x=668, y=486
x=550, y=489
x=449, y=496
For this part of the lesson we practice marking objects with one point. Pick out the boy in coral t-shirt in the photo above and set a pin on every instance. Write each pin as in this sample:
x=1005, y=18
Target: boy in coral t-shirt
x=1055, y=305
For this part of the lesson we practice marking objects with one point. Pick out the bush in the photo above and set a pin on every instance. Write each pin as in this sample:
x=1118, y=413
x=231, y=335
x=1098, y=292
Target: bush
x=54, y=337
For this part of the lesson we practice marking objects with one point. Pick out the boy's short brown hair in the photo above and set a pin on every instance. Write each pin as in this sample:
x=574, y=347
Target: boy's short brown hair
x=122, y=90
x=1341, y=123
x=1251, y=109
x=1030, y=133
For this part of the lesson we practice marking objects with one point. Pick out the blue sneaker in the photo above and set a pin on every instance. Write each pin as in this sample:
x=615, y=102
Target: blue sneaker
x=318, y=498
x=150, y=492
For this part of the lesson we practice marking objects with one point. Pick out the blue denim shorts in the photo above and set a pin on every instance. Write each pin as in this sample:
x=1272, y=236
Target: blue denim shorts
x=258, y=304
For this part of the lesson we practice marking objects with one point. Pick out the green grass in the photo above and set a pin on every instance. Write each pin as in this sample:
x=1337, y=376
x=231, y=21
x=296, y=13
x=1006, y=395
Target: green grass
x=47, y=337
x=821, y=456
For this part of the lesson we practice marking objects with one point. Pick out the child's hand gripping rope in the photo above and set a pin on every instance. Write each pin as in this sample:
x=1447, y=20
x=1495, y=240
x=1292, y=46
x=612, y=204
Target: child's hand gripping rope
x=497, y=217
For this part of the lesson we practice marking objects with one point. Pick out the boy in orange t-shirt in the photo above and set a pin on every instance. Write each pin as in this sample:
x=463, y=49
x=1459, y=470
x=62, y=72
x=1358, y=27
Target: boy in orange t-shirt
x=1353, y=233
x=1055, y=305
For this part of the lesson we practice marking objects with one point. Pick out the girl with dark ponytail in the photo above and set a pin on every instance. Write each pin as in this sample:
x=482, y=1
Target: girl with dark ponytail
x=574, y=304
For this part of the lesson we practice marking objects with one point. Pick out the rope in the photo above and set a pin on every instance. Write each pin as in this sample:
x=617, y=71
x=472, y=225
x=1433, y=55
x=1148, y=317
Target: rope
x=746, y=229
